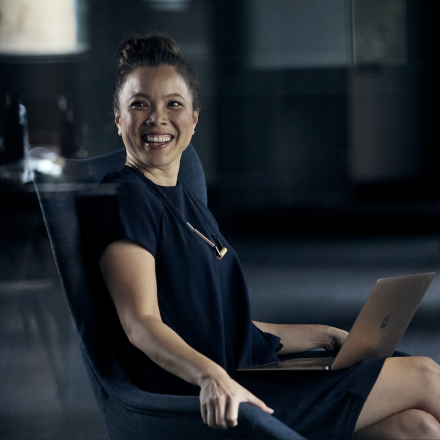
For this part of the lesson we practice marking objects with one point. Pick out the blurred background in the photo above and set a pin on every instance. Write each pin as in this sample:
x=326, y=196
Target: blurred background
x=320, y=143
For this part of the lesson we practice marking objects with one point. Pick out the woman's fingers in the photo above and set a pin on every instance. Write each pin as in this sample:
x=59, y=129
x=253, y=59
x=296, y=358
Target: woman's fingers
x=340, y=337
x=204, y=413
x=232, y=412
x=232, y=409
x=335, y=338
x=220, y=412
x=224, y=413
x=211, y=416
x=219, y=403
x=260, y=404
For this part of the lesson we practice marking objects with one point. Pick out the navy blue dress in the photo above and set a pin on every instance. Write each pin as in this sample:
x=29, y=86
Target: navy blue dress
x=205, y=301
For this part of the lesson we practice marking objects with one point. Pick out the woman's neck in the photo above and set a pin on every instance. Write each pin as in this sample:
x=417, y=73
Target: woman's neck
x=166, y=176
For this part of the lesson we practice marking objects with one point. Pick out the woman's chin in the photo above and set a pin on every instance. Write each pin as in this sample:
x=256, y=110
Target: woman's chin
x=152, y=158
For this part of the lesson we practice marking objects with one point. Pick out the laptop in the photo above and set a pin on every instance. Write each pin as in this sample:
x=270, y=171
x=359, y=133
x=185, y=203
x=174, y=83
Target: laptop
x=377, y=330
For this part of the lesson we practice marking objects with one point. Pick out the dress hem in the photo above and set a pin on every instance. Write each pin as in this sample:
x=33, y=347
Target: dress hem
x=345, y=429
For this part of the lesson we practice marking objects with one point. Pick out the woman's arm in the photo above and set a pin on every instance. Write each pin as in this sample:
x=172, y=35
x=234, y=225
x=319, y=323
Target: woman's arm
x=303, y=337
x=129, y=273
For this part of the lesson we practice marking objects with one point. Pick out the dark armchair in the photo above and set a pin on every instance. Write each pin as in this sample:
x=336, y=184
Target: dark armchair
x=127, y=411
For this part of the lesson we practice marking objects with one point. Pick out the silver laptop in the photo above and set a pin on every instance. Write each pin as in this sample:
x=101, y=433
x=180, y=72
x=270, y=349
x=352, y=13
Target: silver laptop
x=377, y=330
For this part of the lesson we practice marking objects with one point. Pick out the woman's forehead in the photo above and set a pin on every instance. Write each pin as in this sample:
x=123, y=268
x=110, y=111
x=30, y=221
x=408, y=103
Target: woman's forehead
x=155, y=82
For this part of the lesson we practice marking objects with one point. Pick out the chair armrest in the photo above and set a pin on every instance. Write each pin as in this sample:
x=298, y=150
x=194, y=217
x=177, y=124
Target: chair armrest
x=251, y=420
x=264, y=425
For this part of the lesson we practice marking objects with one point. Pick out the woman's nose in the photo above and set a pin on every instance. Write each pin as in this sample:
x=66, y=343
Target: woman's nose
x=156, y=117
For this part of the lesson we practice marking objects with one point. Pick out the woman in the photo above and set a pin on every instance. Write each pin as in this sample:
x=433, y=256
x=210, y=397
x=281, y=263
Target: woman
x=185, y=309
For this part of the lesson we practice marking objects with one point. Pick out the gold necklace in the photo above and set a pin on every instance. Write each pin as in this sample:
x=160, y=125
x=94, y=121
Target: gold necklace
x=220, y=253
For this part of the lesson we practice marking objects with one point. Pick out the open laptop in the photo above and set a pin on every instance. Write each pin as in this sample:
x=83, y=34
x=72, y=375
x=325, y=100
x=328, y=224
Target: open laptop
x=377, y=330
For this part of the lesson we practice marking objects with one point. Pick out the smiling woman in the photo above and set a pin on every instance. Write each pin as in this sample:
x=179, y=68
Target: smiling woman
x=184, y=307
x=156, y=120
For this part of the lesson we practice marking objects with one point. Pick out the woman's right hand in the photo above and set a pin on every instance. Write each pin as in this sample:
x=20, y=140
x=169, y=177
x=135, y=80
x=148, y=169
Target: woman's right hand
x=220, y=397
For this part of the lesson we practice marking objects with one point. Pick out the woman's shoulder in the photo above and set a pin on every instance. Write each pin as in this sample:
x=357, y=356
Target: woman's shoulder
x=124, y=175
x=132, y=184
x=128, y=179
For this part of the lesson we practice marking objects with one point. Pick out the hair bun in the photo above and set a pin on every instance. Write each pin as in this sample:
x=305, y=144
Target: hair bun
x=147, y=46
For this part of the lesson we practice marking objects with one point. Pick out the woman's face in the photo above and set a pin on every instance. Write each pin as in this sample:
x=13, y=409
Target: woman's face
x=155, y=118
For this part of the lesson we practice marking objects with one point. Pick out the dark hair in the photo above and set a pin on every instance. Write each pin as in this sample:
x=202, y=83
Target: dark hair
x=154, y=50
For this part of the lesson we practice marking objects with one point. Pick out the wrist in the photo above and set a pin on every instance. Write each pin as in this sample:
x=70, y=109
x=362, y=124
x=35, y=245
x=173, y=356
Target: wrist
x=212, y=373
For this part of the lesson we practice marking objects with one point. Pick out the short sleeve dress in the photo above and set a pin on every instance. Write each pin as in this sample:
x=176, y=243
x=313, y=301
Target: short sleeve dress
x=205, y=301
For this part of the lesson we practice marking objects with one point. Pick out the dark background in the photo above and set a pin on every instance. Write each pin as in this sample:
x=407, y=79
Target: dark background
x=322, y=169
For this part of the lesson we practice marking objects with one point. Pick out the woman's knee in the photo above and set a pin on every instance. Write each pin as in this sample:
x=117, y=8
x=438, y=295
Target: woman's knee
x=424, y=363
x=420, y=377
x=404, y=384
x=425, y=371
x=409, y=424
x=415, y=367
x=416, y=423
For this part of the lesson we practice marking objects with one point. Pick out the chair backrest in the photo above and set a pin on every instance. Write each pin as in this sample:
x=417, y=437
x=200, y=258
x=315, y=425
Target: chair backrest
x=58, y=201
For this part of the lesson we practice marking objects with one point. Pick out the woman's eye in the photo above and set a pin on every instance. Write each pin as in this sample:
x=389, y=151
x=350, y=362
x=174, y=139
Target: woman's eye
x=138, y=104
x=174, y=104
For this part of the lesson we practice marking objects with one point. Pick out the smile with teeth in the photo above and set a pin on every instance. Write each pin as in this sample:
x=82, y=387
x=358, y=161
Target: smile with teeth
x=157, y=139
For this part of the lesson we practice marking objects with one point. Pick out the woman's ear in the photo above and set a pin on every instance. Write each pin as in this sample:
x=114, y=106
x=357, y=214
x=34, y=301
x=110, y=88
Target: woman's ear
x=117, y=118
x=195, y=119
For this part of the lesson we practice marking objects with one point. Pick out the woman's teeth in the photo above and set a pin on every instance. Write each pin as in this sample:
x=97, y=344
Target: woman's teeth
x=158, y=139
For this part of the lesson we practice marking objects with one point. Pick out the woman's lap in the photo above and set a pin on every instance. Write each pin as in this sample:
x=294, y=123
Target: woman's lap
x=316, y=404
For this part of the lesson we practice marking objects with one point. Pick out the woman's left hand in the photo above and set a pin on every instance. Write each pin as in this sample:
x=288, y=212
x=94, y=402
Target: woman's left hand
x=335, y=338
x=303, y=337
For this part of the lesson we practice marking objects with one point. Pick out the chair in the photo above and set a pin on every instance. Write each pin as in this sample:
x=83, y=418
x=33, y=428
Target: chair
x=127, y=411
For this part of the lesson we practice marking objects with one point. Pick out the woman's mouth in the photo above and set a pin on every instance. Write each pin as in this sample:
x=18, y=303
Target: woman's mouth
x=157, y=142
